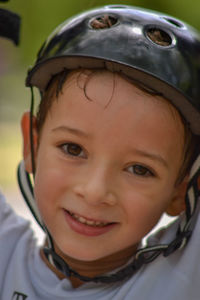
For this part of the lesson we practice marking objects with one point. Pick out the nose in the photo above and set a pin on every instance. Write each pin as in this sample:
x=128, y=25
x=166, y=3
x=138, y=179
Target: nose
x=95, y=187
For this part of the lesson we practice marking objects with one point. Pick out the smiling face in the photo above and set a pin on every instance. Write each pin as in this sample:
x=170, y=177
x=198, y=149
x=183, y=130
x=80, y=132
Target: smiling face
x=106, y=166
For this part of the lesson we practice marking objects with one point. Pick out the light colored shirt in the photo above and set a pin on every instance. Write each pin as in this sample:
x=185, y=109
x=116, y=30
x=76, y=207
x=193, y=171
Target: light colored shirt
x=23, y=274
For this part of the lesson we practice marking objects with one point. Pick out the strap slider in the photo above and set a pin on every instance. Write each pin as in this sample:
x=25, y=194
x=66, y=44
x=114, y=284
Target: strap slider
x=177, y=242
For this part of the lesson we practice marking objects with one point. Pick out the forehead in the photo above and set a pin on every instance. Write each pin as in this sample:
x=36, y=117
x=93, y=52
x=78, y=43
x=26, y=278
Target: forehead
x=109, y=101
x=101, y=86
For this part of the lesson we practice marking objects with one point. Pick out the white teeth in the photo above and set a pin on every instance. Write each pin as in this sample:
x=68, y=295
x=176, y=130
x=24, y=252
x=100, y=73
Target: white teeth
x=88, y=222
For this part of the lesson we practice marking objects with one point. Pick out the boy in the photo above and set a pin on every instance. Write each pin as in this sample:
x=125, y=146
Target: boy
x=110, y=150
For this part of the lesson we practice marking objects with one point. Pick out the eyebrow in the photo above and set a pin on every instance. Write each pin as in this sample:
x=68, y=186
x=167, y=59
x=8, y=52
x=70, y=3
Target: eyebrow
x=152, y=156
x=71, y=130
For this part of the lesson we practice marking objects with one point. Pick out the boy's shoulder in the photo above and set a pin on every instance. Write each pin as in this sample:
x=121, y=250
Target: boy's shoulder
x=177, y=277
x=24, y=274
x=19, y=254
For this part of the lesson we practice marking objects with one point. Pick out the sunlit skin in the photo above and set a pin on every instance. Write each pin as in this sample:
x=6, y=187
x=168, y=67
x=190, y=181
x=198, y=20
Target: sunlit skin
x=112, y=158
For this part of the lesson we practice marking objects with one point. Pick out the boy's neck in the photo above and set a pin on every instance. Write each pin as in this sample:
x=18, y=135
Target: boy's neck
x=92, y=268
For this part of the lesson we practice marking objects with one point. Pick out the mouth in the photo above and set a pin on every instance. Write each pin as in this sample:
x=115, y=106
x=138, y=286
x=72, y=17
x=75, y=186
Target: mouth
x=88, y=222
x=87, y=226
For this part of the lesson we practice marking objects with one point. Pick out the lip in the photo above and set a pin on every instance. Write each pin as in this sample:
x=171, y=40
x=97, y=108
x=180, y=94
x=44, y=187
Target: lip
x=85, y=229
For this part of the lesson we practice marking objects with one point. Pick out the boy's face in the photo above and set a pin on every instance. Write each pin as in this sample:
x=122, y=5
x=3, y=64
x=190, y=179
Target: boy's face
x=106, y=165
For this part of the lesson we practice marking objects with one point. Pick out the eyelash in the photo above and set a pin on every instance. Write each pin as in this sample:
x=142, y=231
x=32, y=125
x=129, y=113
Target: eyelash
x=140, y=170
x=71, y=152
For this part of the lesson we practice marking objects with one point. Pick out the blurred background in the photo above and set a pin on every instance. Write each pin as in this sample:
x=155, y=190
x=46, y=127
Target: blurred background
x=38, y=19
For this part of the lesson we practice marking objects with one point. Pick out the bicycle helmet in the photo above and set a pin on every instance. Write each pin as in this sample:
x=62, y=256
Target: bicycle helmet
x=152, y=48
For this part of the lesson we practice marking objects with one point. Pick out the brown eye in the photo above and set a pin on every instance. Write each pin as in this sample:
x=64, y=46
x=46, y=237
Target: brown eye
x=72, y=149
x=140, y=170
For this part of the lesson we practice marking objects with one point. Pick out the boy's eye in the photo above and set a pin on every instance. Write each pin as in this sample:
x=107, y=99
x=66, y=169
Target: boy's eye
x=140, y=170
x=72, y=149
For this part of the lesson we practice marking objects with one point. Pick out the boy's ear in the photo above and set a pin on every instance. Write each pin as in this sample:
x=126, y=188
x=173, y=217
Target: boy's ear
x=177, y=204
x=25, y=127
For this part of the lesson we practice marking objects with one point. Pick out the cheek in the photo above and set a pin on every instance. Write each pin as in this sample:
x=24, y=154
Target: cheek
x=53, y=182
x=142, y=215
x=46, y=187
x=143, y=210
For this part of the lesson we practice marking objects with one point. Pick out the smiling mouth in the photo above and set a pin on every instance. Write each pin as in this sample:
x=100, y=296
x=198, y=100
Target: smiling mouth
x=88, y=222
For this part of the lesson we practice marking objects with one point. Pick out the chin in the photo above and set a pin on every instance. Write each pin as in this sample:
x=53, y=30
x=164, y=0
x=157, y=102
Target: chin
x=78, y=252
x=84, y=255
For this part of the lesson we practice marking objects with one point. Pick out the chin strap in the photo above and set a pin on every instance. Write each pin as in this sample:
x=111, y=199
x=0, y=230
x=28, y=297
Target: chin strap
x=144, y=255
x=26, y=188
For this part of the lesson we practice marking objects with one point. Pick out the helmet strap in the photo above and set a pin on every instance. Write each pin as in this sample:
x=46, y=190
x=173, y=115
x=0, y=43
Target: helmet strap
x=31, y=132
x=143, y=256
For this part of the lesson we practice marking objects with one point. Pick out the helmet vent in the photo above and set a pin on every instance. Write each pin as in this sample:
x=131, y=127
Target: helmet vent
x=174, y=22
x=159, y=37
x=103, y=22
x=117, y=6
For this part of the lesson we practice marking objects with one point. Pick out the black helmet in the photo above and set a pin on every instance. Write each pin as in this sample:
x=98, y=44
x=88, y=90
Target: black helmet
x=156, y=50
x=161, y=52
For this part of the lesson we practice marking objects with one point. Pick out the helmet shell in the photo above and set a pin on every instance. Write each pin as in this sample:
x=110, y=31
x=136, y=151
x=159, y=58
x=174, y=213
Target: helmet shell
x=157, y=50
